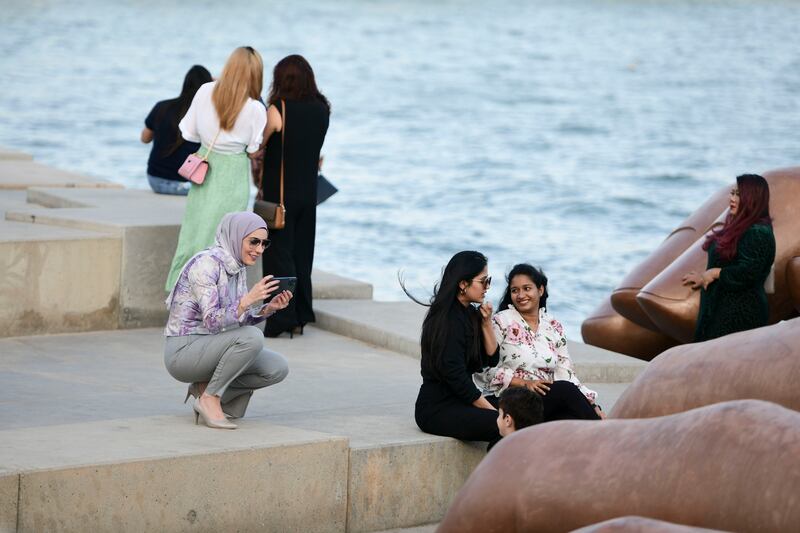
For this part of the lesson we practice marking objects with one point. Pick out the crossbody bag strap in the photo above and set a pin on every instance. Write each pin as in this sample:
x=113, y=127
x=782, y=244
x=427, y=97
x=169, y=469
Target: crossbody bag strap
x=260, y=195
x=283, y=141
x=205, y=157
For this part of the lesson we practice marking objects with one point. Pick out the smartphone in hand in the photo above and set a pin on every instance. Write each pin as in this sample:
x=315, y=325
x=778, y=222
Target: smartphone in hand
x=288, y=283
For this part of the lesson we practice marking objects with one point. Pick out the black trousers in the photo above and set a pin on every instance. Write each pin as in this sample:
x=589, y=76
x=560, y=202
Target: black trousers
x=452, y=418
x=565, y=401
x=291, y=253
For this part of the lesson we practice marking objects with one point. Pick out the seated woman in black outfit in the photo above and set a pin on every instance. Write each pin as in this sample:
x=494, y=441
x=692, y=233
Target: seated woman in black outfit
x=170, y=150
x=457, y=340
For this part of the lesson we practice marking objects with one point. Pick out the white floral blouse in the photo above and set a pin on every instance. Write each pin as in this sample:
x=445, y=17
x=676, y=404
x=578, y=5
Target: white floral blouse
x=528, y=354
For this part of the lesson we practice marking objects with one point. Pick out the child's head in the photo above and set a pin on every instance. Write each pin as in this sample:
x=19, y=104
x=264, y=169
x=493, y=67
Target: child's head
x=518, y=408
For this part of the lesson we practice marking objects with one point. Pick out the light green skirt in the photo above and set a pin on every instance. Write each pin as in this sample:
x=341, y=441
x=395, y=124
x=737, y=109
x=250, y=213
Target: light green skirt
x=226, y=189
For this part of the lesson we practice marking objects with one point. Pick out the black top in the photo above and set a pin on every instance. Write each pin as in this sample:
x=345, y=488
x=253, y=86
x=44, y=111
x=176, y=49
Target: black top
x=160, y=120
x=454, y=377
x=306, y=124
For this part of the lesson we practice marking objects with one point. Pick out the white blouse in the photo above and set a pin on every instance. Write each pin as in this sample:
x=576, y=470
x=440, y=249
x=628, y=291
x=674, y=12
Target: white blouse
x=528, y=354
x=201, y=124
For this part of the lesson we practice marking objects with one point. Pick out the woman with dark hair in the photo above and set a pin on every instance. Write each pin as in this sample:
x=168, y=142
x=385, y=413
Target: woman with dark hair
x=740, y=256
x=303, y=130
x=169, y=148
x=457, y=340
x=533, y=351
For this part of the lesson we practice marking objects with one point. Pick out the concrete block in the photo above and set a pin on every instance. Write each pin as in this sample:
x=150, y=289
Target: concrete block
x=21, y=174
x=9, y=496
x=54, y=198
x=56, y=280
x=391, y=325
x=147, y=253
x=327, y=286
x=165, y=474
x=407, y=484
x=603, y=366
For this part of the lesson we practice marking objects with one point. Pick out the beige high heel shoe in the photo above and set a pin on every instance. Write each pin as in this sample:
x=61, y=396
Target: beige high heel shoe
x=193, y=390
x=207, y=420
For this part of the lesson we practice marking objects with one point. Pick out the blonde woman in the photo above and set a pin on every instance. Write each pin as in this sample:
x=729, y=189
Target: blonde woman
x=228, y=120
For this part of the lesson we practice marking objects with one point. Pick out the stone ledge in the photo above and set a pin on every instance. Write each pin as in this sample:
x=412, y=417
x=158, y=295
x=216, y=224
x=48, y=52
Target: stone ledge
x=18, y=173
x=165, y=474
x=404, y=485
x=396, y=326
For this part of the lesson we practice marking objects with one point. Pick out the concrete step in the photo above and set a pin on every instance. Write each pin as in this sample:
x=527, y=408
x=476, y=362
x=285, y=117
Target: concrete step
x=57, y=279
x=146, y=226
x=397, y=325
x=166, y=474
x=18, y=172
x=99, y=408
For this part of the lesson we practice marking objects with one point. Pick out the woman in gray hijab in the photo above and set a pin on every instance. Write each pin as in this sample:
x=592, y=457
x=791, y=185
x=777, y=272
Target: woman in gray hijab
x=211, y=340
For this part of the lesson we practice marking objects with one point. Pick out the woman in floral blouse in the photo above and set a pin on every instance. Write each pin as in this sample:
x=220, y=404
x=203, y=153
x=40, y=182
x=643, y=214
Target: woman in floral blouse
x=533, y=351
x=211, y=340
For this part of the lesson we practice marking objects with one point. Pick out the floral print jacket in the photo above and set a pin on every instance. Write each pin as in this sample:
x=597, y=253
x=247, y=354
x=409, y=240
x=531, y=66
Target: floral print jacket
x=206, y=296
x=528, y=354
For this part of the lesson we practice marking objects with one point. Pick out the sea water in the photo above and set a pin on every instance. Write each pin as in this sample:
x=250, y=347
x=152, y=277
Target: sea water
x=573, y=134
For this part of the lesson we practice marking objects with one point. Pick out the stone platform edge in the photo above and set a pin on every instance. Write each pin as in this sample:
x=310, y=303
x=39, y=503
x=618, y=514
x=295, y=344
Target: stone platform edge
x=313, y=482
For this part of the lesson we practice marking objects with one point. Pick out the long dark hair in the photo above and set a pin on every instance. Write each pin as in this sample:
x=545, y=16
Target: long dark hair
x=293, y=79
x=197, y=76
x=536, y=275
x=753, y=209
x=463, y=266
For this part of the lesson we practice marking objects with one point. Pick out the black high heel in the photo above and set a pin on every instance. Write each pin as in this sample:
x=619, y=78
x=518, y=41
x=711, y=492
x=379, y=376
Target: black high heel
x=296, y=329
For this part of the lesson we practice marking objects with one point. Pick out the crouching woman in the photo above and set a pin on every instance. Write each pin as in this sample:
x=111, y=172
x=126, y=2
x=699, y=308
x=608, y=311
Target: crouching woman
x=211, y=340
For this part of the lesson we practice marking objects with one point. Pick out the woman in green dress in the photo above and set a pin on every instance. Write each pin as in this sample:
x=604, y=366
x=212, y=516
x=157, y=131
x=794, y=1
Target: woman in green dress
x=228, y=119
x=740, y=255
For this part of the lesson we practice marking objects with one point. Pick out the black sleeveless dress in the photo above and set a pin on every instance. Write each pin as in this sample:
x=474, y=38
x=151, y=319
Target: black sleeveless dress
x=292, y=250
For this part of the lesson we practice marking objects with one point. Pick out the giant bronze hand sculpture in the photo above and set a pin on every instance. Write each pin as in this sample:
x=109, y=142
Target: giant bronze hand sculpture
x=651, y=310
x=762, y=364
x=731, y=466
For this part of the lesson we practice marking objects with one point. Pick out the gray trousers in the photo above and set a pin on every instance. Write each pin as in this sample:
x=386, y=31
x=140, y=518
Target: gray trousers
x=233, y=362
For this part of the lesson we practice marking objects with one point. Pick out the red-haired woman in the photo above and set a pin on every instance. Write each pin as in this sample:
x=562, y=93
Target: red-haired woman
x=740, y=255
x=304, y=128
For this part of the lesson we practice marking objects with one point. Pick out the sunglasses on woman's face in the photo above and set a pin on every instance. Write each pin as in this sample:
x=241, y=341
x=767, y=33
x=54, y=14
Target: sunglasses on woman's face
x=487, y=281
x=255, y=241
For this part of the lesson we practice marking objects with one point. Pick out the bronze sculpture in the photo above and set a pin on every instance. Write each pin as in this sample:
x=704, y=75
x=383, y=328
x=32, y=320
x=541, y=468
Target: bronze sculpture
x=763, y=364
x=639, y=524
x=708, y=467
x=651, y=296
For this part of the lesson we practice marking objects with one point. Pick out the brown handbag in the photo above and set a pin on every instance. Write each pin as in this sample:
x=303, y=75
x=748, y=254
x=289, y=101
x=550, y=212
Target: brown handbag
x=274, y=214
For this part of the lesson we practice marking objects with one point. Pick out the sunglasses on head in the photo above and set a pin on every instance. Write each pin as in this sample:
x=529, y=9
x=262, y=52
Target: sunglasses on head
x=255, y=241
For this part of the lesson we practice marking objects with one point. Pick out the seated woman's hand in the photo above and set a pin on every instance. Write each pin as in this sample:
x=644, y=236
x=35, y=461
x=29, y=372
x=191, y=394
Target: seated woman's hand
x=277, y=303
x=694, y=280
x=539, y=386
x=486, y=312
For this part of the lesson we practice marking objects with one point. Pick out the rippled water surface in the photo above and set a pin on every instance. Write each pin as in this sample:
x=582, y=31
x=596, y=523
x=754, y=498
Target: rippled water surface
x=573, y=134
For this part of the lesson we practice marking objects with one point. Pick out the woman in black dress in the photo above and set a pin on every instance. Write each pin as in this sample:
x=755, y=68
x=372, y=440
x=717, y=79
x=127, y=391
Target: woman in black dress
x=304, y=128
x=457, y=340
x=740, y=256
